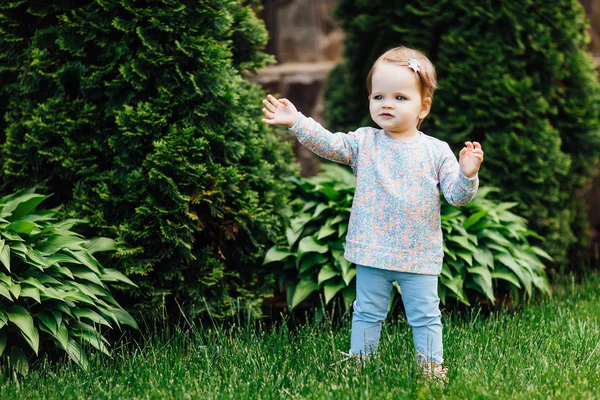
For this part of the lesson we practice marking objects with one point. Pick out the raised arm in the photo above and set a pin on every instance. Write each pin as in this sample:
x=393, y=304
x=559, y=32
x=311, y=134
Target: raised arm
x=339, y=147
x=459, y=180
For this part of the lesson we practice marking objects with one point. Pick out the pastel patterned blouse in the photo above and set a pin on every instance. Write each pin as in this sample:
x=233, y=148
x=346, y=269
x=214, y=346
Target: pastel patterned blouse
x=395, y=219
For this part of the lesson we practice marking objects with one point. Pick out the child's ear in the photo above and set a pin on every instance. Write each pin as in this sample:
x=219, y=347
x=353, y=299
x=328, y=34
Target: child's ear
x=425, y=107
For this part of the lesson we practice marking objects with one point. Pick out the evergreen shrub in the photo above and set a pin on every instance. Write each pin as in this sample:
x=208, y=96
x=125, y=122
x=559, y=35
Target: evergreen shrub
x=512, y=75
x=137, y=116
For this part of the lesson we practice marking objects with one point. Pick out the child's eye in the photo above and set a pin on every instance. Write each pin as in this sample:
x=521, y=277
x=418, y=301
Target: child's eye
x=400, y=98
x=377, y=97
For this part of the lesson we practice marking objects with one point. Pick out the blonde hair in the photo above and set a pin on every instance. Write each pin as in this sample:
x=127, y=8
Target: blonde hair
x=426, y=77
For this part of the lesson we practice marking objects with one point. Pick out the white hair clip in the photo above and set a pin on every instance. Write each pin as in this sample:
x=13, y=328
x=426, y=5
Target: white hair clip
x=414, y=64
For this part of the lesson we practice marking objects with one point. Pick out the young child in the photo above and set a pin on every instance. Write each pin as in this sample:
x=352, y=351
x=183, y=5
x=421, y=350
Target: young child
x=394, y=233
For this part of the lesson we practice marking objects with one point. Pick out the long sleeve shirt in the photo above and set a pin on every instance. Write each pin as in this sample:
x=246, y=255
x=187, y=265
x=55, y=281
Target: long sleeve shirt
x=395, y=219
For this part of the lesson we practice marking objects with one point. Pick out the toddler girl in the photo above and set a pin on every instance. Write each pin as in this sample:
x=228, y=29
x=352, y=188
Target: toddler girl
x=394, y=233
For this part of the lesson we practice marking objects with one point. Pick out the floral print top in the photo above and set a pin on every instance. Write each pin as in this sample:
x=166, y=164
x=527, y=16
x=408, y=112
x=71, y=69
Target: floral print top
x=395, y=220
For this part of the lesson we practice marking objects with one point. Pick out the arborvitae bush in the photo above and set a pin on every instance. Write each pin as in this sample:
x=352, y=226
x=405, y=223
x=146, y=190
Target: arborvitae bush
x=136, y=115
x=513, y=75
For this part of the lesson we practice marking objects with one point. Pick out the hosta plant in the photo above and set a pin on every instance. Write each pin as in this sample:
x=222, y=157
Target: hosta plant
x=53, y=291
x=486, y=246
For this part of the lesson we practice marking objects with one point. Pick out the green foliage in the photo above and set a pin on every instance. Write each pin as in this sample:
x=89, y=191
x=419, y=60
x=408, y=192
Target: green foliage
x=512, y=75
x=138, y=118
x=311, y=256
x=485, y=245
x=52, y=288
x=487, y=252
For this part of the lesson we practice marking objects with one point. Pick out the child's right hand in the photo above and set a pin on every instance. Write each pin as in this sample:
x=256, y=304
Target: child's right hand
x=279, y=112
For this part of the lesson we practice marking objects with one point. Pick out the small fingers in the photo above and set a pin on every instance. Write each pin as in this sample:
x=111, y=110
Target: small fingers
x=273, y=100
x=268, y=114
x=268, y=121
x=469, y=145
x=476, y=145
x=269, y=106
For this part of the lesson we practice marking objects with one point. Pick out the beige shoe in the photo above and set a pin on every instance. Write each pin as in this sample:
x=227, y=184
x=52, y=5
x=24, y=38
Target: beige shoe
x=434, y=372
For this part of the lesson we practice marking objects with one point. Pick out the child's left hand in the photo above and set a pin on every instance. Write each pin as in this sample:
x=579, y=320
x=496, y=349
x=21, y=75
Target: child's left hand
x=470, y=158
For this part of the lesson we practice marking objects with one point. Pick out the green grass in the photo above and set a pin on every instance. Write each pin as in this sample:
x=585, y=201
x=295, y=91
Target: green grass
x=549, y=349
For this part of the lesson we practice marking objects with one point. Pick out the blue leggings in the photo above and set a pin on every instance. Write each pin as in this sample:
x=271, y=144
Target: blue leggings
x=421, y=302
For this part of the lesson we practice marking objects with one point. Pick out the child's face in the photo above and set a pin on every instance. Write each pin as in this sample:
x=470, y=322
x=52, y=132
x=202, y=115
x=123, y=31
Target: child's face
x=395, y=102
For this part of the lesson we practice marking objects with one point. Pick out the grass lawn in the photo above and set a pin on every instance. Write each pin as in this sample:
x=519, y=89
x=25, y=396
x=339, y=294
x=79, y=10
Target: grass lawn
x=550, y=349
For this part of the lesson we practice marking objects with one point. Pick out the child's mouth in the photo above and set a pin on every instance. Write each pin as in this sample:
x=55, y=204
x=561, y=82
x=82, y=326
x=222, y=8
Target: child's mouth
x=386, y=115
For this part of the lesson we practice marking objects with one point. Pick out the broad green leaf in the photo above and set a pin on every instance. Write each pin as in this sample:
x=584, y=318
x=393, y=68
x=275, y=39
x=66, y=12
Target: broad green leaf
x=97, y=245
x=60, y=258
x=56, y=243
x=308, y=205
x=18, y=247
x=4, y=291
x=91, y=315
x=496, y=237
x=95, y=340
x=462, y=240
x=6, y=279
x=297, y=224
x=62, y=335
x=456, y=286
x=467, y=256
x=320, y=208
x=3, y=318
x=123, y=317
x=342, y=229
x=21, y=226
x=304, y=288
x=310, y=260
x=2, y=342
x=84, y=273
x=348, y=273
x=330, y=289
x=19, y=316
x=12, y=236
x=112, y=275
x=12, y=201
x=15, y=290
x=483, y=278
x=541, y=282
x=86, y=259
x=472, y=220
x=76, y=295
x=326, y=272
x=509, y=261
x=292, y=235
x=85, y=288
x=77, y=355
x=309, y=244
x=27, y=207
x=49, y=321
x=541, y=253
x=5, y=255
x=326, y=230
x=446, y=271
x=36, y=257
x=274, y=254
x=484, y=257
x=337, y=219
x=51, y=293
x=506, y=275
x=65, y=271
x=32, y=293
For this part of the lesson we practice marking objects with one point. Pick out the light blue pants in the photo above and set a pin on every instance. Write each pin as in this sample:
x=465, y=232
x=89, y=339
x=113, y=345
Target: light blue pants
x=421, y=303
